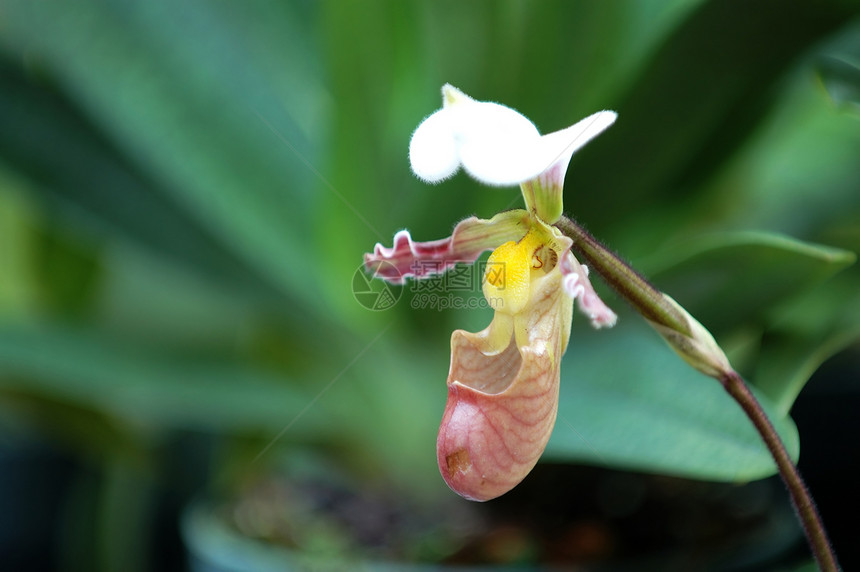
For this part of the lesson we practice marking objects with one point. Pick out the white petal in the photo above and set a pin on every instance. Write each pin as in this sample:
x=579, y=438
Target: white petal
x=493, y=141
x=497, y=163
x=487, y=120
x=499, y=159
x=451, y=95
x=433, y=150
x=561, y=145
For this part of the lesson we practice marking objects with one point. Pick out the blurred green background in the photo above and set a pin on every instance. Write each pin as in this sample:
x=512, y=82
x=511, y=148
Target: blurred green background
x=187, y=189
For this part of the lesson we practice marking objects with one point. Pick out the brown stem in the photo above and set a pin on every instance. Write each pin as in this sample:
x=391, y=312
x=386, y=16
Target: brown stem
x=816, y=535
x=652, y=304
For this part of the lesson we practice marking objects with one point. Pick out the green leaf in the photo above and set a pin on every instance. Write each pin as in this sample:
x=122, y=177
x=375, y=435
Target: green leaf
x=148, y=388
x=841, y=78
x=709, y=87
x=226, y=115
x=788, y=361
x=812, y=329
x=93, y=186
x=17, y=273
x=727, y=279
x=839, y=67
x=628, y=401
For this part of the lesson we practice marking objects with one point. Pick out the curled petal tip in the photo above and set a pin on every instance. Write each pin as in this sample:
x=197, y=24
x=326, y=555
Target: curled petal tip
x=576, y=284
x=452, y=95
x=608, y=116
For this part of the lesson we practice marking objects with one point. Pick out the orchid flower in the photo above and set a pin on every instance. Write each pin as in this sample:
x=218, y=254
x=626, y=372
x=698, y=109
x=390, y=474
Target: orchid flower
x=503, y=382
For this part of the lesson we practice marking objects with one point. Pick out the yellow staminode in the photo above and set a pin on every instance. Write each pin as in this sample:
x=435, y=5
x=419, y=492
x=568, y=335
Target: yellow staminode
x=507, y=278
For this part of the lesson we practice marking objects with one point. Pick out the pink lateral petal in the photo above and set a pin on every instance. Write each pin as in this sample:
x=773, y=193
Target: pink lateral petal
x=471, y=237
x=577, y=285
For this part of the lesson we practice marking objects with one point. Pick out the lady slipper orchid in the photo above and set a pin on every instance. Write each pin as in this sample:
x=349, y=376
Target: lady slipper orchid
x=503, y=382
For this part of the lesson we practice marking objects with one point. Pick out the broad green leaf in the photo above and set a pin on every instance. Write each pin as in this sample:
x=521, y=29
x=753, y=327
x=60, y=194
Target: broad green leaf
x=372, y=397
x=810, y=330
x=91, y=185
x=706, y=90
x=146, y=388
x=628, y=401
x=839, y=67
x=146, y=298
x=787, y=362
x=842, y=80
x=796, y=175
x=226, y=118
x=728, y=279
x=608, y=46
x=17, y=273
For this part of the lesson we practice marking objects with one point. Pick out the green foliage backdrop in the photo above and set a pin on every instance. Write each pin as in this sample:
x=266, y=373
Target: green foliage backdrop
x=187, y=188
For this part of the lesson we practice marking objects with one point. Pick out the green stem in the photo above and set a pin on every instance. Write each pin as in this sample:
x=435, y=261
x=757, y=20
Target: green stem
x=653, y=305
x=647, y=300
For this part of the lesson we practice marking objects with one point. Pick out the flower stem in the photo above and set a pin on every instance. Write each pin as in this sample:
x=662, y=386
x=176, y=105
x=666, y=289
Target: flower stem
x=644, y=297
x=658, y=309
x=800, y=497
